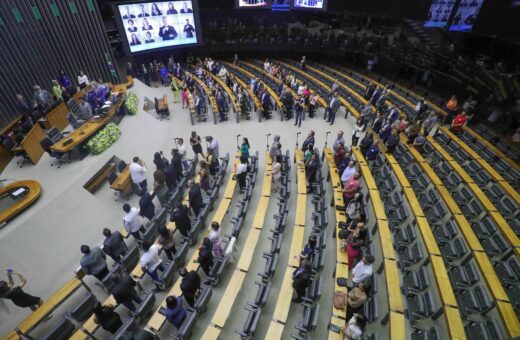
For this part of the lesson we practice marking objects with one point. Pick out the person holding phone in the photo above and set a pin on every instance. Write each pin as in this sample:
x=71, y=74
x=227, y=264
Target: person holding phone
x=9, y=291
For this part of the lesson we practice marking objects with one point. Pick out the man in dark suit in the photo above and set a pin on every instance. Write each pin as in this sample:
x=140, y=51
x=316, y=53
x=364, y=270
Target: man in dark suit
x=190, y=285
x=310, y=172
x=333, y=108
x=176, y=162
x=124, y=290
x=378, y=123
x=171, y=176
x=266, y=103
x=195, y=197
x=146, y=206
x=181, y=217
x=167, y=32
x=114, y=244
x=188, y=29
x=143, y=14
x=221, y=104
x=22, y=106
x=128, y=15
x=308, y=140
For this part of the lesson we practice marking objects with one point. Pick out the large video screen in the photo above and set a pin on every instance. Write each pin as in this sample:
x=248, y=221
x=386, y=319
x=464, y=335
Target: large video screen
x=466, y=15
x=281, y=5
x=253, y=3
x=310, y=4
x=152, y=25
x=439, y=13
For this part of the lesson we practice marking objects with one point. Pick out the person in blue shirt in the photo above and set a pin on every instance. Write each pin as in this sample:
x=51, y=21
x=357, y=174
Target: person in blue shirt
x=64, y=79
x=308, y=249
x=372, y=153
x=385, y=132
x=175, y=311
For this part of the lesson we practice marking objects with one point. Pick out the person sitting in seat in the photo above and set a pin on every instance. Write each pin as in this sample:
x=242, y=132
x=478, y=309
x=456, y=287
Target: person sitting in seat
x=175, y=312
x=301, y=279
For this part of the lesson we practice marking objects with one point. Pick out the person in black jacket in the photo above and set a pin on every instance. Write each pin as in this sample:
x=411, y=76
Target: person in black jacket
x=366, y=143
x=114, y=244
x=195, y=197
x=190, y=285
x=312, y=169
x=146, y=206
x=301, y=279
x=124, y=290
x=176, y=161
x=378, y=123
x=171, y=177
x=205, y=258
x=105, y=316
x=160, y=162
x=181, y=217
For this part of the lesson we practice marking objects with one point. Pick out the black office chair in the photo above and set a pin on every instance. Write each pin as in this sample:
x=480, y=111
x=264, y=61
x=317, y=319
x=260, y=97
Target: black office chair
x=121, y=166
x=46, y=144
x=10, y=146
x=73, y=121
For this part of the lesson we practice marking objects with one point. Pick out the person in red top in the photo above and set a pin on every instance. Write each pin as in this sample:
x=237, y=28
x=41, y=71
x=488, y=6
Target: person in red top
x=351, y=188
x=458, y=122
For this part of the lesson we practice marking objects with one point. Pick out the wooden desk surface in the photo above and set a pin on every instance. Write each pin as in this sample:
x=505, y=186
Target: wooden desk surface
x=261, y=211
x=275, y=331
x=427, y=235
x=283, y=304
x=379, y=208
x=339, y=323
x=301, y=204
x=211, y=333
x=34, y=188
x=31, y=143
x=208, y=92
x=506, y=230
x=249, y=249
x=86, y=130
x=266, y=186
x=510, y=191
x=488, y=271
x=468, y=233
x=222, y=210
x=228, y=299
x=121, y=179
x=385, y=236
x=401, y=177
x=454, y=322
x=12, y=335
x=461, y=172
x=439, y=148
x=48, y=306
x=396, y=324
x=296, y=246
x=393, y=287
x=482, y=197
x=229, y=92
x=448, y=199
x=443, y=281
x=414, y=202
x=509, y=318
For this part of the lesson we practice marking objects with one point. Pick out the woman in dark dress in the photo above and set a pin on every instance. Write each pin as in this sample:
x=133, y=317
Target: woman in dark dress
x=160, y=162
x=206, y=255
x=16, y=294
x=195, y=144
x=105, y=316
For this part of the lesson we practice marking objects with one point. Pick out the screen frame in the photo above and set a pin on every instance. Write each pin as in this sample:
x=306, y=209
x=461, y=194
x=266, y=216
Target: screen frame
x=461, y=28
x=126, y=43
x=268, y=6
x=324, y=9
x=445, y=24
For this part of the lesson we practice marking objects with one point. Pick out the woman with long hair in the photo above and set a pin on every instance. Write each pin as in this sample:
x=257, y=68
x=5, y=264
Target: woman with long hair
x=195, y=144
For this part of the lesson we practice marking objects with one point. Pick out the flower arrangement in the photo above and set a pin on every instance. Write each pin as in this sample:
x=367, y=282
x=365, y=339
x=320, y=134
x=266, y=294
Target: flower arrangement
x=131, y=104
x=103, y=139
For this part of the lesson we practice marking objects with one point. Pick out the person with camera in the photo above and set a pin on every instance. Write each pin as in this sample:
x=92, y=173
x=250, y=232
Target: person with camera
x=9, y=291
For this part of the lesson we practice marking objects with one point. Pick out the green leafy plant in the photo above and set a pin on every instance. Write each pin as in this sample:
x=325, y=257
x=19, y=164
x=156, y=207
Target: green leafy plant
x=103, y=139
x=131, y=103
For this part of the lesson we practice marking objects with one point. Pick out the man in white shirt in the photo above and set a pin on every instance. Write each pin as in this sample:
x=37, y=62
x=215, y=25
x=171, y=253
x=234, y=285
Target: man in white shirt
x=137, y=172
x=363, y=270
x=82, y=79
x=213, y=144
x=131, y=221
x=349, y=171
x=181, y=148
x=151, y=262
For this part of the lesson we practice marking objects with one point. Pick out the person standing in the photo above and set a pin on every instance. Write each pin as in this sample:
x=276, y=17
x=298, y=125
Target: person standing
x=137, y=172
x=362, y=270
x=351, y=188
x=311, y=171
x=371, y=154
x=195, y=144
x=349, y=171
x=84, y=112
x=313, y=100
x=429, y=123
x=308, y=140
x=114, y=244
x=167, y=242
x=242, y=172
x=174, y=312
x=184, y=97
x=105, y=316
x=181, y=217
x=124, y=290
x=339, y=140
x=301, y=279
x=190, y=285
x=175, y=91
x=216, y=239
x=195, y=197
x=244, y=149
x=213, y=144
x=298, y=112
x=146, y=206
x=359, y=128
x=9, y=291
x=458, y=122
x=131, y=221
x=333, y=108
x=93, y=262
x=276, y=172
x=392, y=141
x=274, y=147
x=205, y=257
x=150, y=261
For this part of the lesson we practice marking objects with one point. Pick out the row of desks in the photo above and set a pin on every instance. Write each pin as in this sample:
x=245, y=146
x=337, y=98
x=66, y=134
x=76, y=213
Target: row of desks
x=229, y=92
x=212, y=100
x=451, y=311
x=253, y=97
x=485, y=165
x=271, y=92
x=338, y=315
x=393, y=288
x=506, y=310
x=235, y=284
x=157, y=320
x=283, y=303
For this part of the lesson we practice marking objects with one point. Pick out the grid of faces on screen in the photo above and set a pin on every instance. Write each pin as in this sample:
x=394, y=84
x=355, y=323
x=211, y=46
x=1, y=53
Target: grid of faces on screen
x=254, y=3
x=466, y=15
x=154, y=25
x=316, y=4
x=439, y=13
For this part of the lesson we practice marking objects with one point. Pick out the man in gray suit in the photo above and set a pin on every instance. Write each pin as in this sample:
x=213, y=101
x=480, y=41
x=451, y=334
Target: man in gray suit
x=333, y=108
